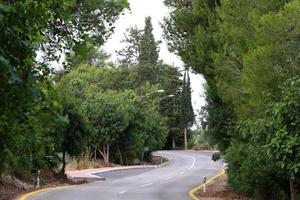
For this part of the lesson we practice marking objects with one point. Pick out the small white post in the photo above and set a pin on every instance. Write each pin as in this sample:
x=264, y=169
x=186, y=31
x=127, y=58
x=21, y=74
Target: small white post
x=204, y=186
x=38, y=179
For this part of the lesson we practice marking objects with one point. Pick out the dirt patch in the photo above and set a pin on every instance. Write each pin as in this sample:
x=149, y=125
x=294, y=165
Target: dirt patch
x=12, y=187
x=218, y=190
x=158, y=160
x=85, y=163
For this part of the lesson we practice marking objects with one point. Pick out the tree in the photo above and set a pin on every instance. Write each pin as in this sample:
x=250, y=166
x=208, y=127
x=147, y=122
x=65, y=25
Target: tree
x=169, y=107
x=186, y=109
x=87, y=54
x=148, y=56
x=26, y=26
x=246, y=50
x=129, y=55
x=148, y=45
x=121, y=124
x=75, y=137
x=109, y=115
x=283, y=140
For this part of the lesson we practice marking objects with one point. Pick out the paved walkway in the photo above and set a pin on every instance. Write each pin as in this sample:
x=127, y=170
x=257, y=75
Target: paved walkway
x=89, y=174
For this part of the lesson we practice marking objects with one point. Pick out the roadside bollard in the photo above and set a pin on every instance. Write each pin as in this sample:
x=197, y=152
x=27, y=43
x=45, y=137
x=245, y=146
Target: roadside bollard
x=204, y=186
x=38, y=179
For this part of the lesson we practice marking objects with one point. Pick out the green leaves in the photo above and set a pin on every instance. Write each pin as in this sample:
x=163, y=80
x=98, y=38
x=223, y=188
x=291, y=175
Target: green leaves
x=248, y=52
x=30, y=120
x=114, y=112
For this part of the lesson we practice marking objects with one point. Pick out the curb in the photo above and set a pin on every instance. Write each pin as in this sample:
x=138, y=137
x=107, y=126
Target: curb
x=163, y=164
x=25, y=196
x=191, y=192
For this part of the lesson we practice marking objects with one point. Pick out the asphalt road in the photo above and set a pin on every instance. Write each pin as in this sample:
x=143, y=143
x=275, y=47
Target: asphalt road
x=171, y=182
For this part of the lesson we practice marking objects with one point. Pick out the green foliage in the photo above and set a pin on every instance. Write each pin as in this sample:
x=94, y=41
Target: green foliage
x=129, y=55
x=284, y=140
x=217, y=119
x=31, y=120
x=247, y=52
x=198, y=140
x=169, y=107
x=187, y=116
x=121, y=123
x=141, y=56
x=148, y=45
x=87, y=54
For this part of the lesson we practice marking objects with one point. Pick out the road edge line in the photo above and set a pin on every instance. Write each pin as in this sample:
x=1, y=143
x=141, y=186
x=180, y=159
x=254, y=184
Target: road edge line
x=191, y=192
x=29, y=194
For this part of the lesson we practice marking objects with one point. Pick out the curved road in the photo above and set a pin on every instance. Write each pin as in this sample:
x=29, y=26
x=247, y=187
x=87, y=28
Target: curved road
x=173, y=181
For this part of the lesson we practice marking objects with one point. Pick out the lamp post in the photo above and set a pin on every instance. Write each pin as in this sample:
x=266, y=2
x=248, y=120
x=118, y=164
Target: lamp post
x=156, y=91
x=168, y=96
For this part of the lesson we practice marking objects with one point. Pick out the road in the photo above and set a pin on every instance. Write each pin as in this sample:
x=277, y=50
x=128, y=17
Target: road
x=172, y=181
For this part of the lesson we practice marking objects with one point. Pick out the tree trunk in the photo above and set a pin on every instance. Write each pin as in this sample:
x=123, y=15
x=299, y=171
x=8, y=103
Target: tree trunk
x=292, y=189
x=185, y=138
x=105, y=154
x=173, y=142
x=64, y=163
x=120, y=154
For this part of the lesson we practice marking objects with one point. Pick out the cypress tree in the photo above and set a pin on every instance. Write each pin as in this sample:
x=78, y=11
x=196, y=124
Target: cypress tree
x=187, y=113
x=149, y=53
x=149, y=47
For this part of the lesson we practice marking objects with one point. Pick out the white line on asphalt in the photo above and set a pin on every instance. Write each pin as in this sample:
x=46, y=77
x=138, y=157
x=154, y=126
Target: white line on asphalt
x=146, y=184
x=168, y=178
x=181, y=173
x=193, y=164
x=122, y=192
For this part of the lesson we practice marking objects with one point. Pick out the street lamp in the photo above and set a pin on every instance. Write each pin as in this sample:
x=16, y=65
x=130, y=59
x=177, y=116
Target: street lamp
x=156, y=91
x=168, y=96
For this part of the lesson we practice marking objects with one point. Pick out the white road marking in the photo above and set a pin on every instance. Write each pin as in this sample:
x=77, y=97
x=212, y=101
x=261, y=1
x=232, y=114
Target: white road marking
x=146, y=184
x=168, y=178
x=181, y=173
x=122, y=192
x=193, y=164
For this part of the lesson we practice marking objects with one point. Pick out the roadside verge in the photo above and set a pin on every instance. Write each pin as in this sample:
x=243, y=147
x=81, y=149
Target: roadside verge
x=88, y=175
x=192, y=192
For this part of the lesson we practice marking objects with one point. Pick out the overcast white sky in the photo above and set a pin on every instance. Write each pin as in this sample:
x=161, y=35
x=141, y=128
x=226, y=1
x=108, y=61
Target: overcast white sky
x=136, y=16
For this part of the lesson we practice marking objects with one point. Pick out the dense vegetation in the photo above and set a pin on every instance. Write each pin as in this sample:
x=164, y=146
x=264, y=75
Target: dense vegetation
x=33, y=125
x=248, y=52
x=91, y=107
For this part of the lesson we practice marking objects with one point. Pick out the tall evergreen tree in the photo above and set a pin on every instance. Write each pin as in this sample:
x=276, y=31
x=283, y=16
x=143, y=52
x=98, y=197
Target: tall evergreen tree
x=187, y=113
x=149, y=53
x=149, y=47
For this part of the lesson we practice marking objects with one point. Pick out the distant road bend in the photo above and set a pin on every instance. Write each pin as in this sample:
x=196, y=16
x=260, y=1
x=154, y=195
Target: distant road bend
x=171, y=182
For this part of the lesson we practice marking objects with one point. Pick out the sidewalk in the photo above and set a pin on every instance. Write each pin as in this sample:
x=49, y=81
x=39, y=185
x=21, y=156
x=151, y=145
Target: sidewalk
x=88, y=174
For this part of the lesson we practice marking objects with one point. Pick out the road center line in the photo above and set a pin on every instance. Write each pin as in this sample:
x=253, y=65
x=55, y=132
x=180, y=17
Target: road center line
x=193, y=164
x=145, y=185
x=122, y=192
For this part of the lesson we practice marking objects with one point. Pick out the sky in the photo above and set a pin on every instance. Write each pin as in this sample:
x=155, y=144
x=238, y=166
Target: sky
x=139, y=9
